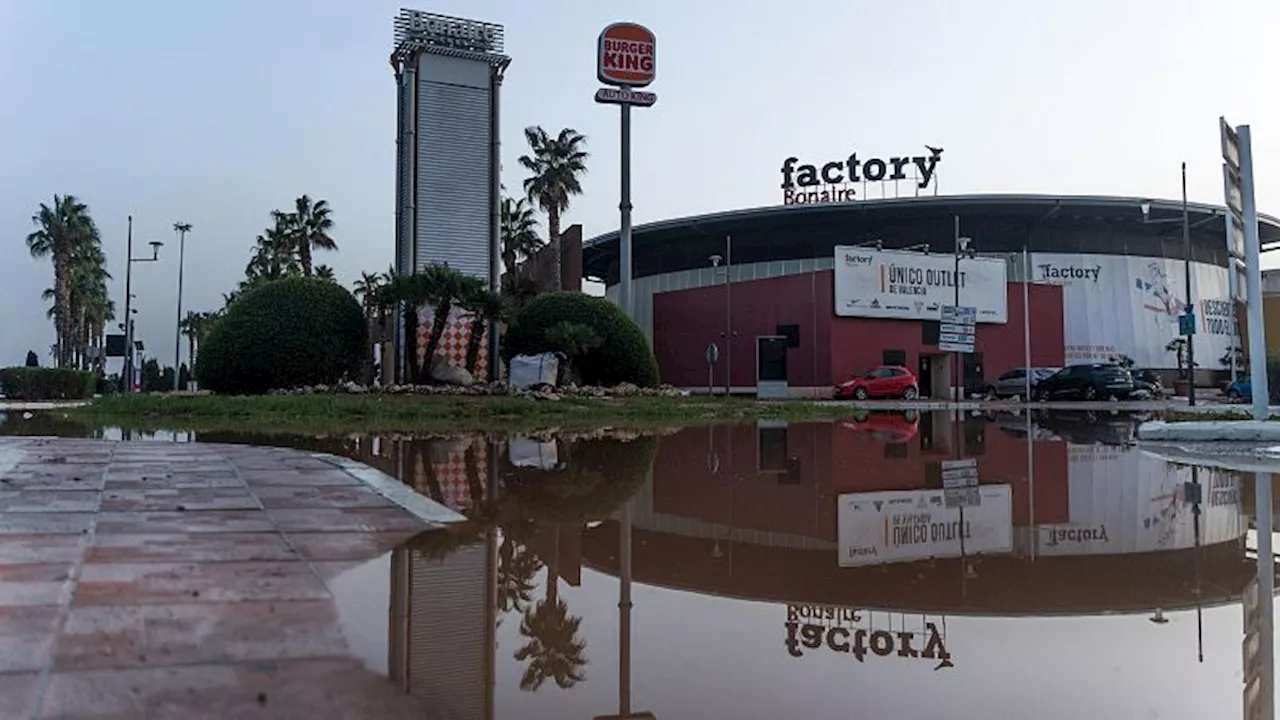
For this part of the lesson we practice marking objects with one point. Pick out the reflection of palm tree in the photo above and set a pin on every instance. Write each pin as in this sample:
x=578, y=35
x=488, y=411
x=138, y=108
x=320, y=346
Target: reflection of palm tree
x=517, y=565
x=554, y=651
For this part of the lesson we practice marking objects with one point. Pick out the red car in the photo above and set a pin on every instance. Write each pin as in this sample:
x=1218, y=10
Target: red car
x=886, y=381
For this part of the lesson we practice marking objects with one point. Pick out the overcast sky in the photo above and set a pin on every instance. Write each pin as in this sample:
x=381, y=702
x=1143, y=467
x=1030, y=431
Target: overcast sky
x=215, y=113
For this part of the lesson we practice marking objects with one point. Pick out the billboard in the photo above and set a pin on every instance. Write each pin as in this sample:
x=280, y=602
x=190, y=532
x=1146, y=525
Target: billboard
x=625, y=55
x=914, y=286
x=1122, y=305
x=1147, y=512
x=908, y=525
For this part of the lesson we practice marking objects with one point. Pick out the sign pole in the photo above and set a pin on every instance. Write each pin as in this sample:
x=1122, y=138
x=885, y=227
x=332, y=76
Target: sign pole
x=1253, y=282
x=624, y=207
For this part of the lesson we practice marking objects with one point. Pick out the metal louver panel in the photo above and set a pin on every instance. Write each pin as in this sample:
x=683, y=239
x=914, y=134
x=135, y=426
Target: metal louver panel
x=453, y=172
x=447, y=653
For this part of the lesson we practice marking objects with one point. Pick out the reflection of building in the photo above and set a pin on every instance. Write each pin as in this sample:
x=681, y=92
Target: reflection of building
x=751, y=512
x=442, y=629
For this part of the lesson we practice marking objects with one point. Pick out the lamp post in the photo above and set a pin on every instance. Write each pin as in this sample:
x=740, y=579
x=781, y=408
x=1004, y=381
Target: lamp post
x=128, y=296
x=182, y=228
x=1186, y=262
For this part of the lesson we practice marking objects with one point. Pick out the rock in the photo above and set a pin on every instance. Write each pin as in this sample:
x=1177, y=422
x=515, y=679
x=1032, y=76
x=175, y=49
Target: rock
x=626, y=389
x=442, y=371
x=354, y=388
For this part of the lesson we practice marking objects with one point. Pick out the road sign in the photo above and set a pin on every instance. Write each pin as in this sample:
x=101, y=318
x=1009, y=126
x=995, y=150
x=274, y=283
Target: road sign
x=623, y=96
x=626, y=55
x=957, y=331
x=1187, y=324
x=1230, y=143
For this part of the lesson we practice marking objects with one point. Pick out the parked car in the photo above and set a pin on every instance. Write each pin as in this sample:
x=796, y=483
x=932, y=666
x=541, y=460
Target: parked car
x=884, y=381
x=1147, y=384
x=1014, y=382
x=1095, y=381
x=1241, y=389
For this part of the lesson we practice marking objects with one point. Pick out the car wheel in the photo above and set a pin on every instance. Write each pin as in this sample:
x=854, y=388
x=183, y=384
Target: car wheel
x=910, y=393
x=1233, y=394
x=1090, y=393
x=860, y=393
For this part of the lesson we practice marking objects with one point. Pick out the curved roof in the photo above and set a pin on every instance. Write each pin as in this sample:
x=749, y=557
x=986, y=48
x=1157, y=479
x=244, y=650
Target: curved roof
x=998, y=223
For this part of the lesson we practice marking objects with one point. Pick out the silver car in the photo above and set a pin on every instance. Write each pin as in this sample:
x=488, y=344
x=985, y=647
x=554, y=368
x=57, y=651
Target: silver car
x=1014, y=382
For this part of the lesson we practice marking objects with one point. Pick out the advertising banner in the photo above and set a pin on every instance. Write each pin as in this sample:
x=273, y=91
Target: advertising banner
x=915, y=286
x=1119, y=305
x=909, y=525
x=1121, y=501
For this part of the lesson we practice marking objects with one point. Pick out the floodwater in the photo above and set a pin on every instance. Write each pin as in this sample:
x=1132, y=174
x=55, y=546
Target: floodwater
x=813, y=570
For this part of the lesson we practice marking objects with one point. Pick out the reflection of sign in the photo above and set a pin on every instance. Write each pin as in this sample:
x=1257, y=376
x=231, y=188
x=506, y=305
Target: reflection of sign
x=915, y=286
x=909, y=525
x=1148, y=512
x=848, y=630
x=626, y=55
x=804, y=184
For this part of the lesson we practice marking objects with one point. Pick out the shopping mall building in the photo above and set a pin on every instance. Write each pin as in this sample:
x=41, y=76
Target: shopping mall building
x=816, y=292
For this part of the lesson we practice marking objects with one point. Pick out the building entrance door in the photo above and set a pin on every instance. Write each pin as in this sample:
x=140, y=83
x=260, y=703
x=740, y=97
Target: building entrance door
x=924, y=376
x=771, y=366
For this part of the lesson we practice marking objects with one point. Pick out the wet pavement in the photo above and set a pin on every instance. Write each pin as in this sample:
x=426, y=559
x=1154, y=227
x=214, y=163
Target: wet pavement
x=856, y=568
x=193, y=581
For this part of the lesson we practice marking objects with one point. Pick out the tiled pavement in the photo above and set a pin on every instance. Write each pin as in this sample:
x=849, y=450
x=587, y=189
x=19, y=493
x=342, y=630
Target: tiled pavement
x=153, y=580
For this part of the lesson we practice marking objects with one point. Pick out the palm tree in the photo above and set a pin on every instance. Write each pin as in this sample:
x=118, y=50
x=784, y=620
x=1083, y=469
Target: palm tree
x=365, y=289
x=520, y=239
x=64, y=231
x=554, y=651
x=310, y=224
x=557, y=164
x=324, y=272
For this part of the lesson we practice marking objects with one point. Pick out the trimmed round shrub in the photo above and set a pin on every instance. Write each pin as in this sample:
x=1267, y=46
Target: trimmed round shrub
x=599, y=475
x=284, y=334
x=622, y=355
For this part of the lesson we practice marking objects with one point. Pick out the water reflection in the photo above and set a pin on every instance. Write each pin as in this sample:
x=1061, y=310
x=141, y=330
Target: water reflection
x=801, y=570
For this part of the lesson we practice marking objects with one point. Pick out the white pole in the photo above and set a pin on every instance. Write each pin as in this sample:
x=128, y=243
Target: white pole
x=1253, y=279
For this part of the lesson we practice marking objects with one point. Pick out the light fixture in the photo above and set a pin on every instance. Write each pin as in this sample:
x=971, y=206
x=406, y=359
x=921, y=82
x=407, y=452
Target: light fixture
x=1146, y=208
x=715, y=260
x=155, y=249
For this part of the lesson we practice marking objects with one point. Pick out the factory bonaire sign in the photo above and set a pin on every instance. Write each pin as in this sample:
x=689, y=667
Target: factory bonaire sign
x=849, y=631
x=905, y=526
x=915, y=286
x=832, y=181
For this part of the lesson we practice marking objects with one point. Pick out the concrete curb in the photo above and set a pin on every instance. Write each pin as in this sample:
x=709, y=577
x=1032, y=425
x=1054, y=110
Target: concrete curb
x=32, y=406
x=416, y=504
x=1243, y=431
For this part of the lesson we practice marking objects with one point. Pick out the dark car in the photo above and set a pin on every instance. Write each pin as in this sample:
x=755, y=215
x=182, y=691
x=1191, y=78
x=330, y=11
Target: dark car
x=1095, y=381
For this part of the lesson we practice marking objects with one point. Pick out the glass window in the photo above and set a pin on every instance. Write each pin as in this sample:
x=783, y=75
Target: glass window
x=1012, y=375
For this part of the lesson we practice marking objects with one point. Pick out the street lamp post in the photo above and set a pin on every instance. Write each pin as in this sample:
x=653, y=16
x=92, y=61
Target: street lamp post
x=1186, y=264
x=182, y=228
x=128, y=298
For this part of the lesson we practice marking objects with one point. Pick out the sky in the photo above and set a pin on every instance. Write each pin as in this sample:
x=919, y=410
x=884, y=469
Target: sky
x=215, y=113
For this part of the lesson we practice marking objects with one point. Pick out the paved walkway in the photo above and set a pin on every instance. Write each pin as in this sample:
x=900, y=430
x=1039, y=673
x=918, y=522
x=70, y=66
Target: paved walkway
x=159, y=580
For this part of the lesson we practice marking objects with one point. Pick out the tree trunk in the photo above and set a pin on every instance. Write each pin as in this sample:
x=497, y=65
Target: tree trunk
x=62, y=318
x=553, y=229
x=304, y=257
x=438, y=327
x=473, y=342
x=411, y=344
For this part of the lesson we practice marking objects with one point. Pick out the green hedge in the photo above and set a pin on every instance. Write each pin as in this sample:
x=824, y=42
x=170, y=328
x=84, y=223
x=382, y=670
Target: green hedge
x=284, y=334
x=623, y=354
x=36, y=383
